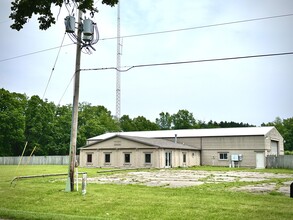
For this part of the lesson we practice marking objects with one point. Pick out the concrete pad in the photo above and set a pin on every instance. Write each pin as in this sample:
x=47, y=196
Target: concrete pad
x=186, y=178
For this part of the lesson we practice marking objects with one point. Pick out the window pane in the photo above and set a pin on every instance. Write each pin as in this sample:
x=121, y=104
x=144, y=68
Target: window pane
x=148, y=158
x=89, y=158
x=107, y=158
x=223, y=156
x=126, y=158
x=184, y=158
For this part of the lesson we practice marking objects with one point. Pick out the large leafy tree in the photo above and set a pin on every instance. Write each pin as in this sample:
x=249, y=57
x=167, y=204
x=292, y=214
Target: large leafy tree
x=62, y=126
x=139, y=123
x=23, y=10
x=126, y=123
x=184, y=119
x=94, y=120
x=12, y=122
x=288, y=133
x=143, y=124
x=40, y=116
x=164, y=121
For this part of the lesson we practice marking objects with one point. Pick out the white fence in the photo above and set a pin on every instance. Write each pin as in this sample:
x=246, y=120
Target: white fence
x=281, y=161
x=36, y=160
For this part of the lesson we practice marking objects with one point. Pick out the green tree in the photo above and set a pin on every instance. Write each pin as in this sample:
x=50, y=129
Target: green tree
x=126, y=123
x=184, y=119
x=233, y=124
x=62, y=127
x=94, y=120
x=23, y=10
x=143, y=124
x=288, y=133
x=12, y=123
x=40, y=125
x=165, y=121
x=139, y=123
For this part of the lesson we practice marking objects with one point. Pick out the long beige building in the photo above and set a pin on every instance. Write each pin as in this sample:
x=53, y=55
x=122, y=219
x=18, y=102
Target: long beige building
x=243, y=147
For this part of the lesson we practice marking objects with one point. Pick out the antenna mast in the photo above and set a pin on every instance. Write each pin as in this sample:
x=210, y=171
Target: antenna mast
x=119, y=45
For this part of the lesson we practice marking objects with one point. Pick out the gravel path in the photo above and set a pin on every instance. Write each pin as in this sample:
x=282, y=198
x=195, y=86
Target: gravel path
x=185, y=178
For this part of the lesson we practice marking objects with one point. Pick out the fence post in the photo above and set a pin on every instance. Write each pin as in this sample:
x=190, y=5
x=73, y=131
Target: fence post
x=83, y=185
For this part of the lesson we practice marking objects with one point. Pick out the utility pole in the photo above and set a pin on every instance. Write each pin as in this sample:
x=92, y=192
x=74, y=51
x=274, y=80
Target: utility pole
x=73, y=135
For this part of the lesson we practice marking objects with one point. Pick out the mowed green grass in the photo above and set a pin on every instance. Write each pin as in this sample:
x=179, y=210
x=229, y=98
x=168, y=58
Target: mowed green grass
x=44, y=198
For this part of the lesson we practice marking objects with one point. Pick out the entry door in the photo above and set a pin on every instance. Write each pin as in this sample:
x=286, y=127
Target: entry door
x=168, y=159
x=260, y=160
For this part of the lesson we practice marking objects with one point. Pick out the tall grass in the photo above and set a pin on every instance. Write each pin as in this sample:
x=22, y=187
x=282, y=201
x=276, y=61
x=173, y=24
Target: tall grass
x=44, y=198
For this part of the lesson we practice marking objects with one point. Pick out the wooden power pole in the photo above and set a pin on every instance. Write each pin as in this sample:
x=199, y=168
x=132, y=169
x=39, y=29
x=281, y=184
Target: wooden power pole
x=73, y=135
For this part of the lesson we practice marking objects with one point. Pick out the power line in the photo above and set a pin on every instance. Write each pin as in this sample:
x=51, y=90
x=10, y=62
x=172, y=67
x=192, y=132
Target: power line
x=189, y=62
x=66, y=89
x=32, y=53
x=175, y=63
x=53, y=66
x=4, y=21
x=200, y=27
x=158, y=32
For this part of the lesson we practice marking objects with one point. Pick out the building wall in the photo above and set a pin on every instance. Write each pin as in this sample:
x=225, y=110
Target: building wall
x=274, y=135
x=190, y=141
x=192, y=158
x=118, y=147
x=207, y=151
x=212, y=158
x=137, y=158
x=247, y=146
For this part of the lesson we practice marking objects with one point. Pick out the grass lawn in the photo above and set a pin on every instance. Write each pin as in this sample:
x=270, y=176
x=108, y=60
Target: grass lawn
x=44, y=198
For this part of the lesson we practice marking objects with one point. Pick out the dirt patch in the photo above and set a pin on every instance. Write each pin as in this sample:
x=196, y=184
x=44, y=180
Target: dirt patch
x=186, y=178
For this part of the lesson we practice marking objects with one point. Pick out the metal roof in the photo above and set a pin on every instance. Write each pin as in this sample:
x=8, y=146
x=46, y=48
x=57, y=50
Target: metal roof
x=153, y=142
x=158, y=142
x=210, y=132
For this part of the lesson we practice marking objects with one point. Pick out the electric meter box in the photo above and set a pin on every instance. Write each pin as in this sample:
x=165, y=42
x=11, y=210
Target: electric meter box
x=235, y=157
x=70, y=24
x=240, y=157
x=88, y=27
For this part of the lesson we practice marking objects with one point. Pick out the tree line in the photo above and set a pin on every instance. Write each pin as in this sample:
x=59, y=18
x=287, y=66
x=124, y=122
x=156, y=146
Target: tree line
x=47, y=126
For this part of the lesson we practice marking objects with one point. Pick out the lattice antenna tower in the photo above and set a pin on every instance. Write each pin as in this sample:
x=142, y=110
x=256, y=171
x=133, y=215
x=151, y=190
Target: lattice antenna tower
x=118, y=65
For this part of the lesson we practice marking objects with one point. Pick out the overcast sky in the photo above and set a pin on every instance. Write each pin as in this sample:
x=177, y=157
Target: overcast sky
x=245, y=90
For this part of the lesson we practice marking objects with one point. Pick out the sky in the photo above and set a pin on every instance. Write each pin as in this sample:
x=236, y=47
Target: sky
x=251, y=91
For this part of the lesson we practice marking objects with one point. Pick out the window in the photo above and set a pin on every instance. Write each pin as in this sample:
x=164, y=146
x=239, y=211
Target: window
x=223, y=156
x=148, y=158
x=184, y=157
x=89, y=158
x=107, y=158
x=126, y=158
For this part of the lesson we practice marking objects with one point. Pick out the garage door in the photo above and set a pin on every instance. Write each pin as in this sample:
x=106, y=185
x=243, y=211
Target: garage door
x=274, y=148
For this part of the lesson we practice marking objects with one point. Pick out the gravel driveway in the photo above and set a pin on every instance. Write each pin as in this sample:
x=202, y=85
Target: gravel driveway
x=185, y=178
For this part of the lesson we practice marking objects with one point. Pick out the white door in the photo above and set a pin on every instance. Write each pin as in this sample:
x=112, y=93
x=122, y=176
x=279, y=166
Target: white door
x=260, y=160
x=168, y=159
